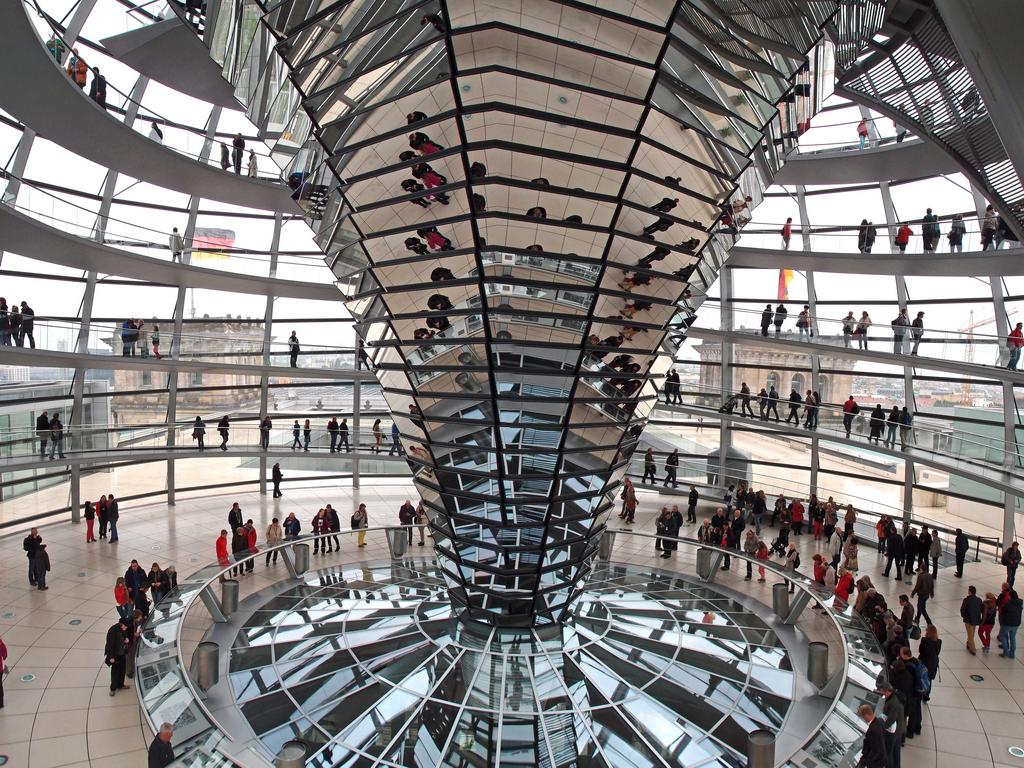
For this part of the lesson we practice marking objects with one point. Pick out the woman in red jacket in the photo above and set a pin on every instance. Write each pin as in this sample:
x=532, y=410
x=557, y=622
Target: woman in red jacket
x=844, y=586
x=124, y=609
x=222, y=549
x=903, y=237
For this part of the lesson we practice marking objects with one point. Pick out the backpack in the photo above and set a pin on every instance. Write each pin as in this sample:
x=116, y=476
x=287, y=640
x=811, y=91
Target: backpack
x=922, y=681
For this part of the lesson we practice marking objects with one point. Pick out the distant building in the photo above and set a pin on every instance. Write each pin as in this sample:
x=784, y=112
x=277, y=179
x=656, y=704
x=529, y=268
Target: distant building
x=200, y=393
x=760, y=366
x=21, y=404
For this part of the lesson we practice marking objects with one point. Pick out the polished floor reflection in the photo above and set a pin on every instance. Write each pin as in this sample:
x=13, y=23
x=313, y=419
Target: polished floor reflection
x=366, y=664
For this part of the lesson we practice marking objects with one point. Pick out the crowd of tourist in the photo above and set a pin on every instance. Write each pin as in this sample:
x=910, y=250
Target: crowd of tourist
x=911, y=556
x=738, y=524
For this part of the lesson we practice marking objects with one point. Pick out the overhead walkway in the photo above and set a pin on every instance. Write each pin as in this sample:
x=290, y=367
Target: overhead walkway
x=39, y=93
x=833, y=346
x=24, y=235
x=1007, y=480
x=1005, y=263
x=988, y=37
x=169, y=52
x=42, y=358
x=913, y=72
x=115, y=456
x=911, y=159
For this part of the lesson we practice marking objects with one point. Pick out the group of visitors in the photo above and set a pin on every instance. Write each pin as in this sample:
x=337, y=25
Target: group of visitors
x=133, y=337
x=302, y=434
x=50, y=430
x=107, y=512
x=240, y=539
x=17, y=324
x=896, y=420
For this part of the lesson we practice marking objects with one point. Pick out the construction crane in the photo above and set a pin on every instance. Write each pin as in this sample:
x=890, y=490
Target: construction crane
x=966, y=391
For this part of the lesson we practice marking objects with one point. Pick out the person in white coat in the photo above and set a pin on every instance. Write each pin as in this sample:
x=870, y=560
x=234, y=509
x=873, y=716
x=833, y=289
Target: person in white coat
x=176, y=245
x=252, y=164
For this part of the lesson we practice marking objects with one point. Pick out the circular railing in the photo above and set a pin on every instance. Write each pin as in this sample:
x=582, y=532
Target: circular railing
x=168, y=692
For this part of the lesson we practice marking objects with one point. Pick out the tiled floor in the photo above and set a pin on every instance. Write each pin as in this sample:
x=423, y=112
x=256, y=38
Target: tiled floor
x=58, y=711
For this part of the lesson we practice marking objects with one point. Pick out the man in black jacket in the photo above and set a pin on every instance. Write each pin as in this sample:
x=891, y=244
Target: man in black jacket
x=114, y=652
x=970, y=611
x=223, y=427
x=113, y=515
x=332, y=430
x=407, y=516
x=873, y=754
x=237, y=152
x=28, y=324
x=766, y=319
x=910, y=548
x=239, y=549
x=893, y=552
x=134, y=578
x=161, y=754
x=42, y=432
x=773, y=403
x=961, y=545
x=343, y=436
x=276, y=477
x=98, y=89
x=293, y=350
x=235, y=520
x=691, y=506
x=794, y=407
x=30, y=545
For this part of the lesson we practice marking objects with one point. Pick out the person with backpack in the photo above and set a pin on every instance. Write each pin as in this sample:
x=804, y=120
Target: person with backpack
x=359, y=522
x=803, y=323
x=922, y=686
x=957, y=230
x=930, y=231
x=862, y=237
x=1010, y=606
x=928, y=655
x=780, y=317
x=849, y=328
x=844, y=585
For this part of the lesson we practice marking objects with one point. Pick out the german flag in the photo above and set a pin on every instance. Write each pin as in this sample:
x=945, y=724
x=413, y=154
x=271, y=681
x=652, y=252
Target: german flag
x=785, y=280
x=210, y=243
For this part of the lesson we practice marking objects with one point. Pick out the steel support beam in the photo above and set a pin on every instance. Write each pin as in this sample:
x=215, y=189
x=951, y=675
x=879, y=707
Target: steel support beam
x=268, y=321
x=727, y=384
